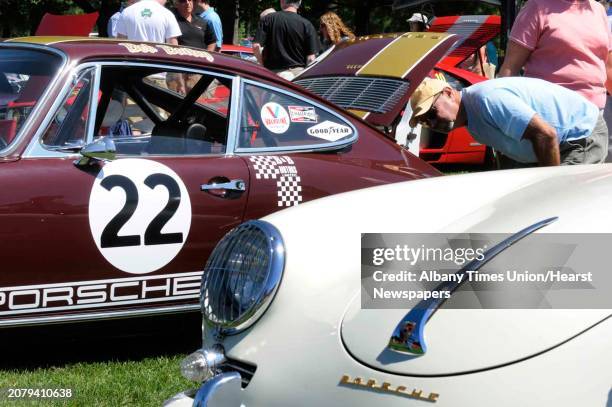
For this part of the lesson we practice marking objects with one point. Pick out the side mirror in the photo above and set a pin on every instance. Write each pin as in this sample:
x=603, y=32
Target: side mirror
x=100, y=150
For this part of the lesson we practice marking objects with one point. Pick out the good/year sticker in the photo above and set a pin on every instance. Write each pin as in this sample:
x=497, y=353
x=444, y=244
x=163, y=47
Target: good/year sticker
x=330, y=131
x=275, y=118
x=139, y=214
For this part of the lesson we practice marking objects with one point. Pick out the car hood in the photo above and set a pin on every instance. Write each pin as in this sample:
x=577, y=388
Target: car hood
x=77, y=25
x=459, y=341
x=472, y=32
x=374, y=76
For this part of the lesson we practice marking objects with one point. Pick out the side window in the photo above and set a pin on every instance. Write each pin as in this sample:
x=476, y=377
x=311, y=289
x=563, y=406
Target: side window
x=151, y=112
x=271, y=119
x=69, y=125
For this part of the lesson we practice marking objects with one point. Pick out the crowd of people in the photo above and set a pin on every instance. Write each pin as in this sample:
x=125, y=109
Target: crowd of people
x=192, y=23
x=546, y=105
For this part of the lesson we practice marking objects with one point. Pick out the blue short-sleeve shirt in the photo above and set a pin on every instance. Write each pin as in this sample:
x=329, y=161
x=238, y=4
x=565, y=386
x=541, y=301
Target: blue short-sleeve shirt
x=213, y=19
x=499, y=110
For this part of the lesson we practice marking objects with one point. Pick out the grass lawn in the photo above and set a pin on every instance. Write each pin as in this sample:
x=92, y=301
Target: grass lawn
x=115, y=363
x=147, y=382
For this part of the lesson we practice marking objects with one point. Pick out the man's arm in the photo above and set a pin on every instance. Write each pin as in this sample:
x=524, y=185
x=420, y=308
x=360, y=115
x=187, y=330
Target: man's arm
x=257, y=52
x=516, y=56
x=210, y=39
x=309, y=59
x=172, y=41
x=543, y=137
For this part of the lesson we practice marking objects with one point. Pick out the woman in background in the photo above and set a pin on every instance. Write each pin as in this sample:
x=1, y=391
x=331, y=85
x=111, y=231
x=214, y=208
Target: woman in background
x=334, y=30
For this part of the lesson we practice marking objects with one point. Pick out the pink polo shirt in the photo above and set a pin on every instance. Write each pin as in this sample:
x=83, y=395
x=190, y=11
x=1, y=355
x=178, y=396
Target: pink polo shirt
x=569, y=43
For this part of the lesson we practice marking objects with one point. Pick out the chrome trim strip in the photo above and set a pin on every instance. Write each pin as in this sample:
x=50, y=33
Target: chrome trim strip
x=418, y=317
x=93, y=107
x=234, y=116
x=33, y=152
x=36, y=149
x=225, y=388
x=310, y=147
x=27, y=126
x=98, y=315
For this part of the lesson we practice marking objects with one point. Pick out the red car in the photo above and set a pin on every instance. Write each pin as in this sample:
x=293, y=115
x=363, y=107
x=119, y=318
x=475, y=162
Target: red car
x=121, y=170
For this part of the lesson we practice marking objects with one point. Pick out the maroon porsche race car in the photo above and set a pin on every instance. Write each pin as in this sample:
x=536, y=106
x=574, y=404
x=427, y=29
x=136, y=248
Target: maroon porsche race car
x=123, y=163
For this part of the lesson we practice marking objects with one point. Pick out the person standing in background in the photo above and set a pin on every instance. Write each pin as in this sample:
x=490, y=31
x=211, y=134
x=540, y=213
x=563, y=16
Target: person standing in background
x=333, y=29
x=418, y=22
x=289, y=40
x=266, y=12
x=197, y=34
x=195, y=31
x=111, y=28
x=148, y=20
x=567, y=42
x=212, y=19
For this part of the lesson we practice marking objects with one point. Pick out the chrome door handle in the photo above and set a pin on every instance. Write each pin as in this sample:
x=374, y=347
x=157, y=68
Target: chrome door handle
x=233, y=185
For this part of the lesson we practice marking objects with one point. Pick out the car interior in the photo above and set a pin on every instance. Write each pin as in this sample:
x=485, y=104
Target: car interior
x=24, y=75
x=139, y=110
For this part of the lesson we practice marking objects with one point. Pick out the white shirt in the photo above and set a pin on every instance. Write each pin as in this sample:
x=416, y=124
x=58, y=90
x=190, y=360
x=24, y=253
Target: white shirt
x=147, y=20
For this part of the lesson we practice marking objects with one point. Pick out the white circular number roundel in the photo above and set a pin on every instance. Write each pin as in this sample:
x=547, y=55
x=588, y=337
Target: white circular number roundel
x=275, y=118
x=139, y=214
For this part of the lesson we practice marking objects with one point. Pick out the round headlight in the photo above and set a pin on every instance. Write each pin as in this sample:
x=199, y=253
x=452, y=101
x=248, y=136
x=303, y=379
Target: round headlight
x=241, y=276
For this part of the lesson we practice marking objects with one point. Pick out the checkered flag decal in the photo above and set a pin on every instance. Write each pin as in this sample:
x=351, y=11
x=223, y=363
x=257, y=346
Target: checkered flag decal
x=289, y=190
x=284, y=171
x=266, y=166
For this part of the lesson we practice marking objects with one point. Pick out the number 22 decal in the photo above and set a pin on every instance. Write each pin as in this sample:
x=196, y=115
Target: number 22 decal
x=139, y=214
x=153, y=235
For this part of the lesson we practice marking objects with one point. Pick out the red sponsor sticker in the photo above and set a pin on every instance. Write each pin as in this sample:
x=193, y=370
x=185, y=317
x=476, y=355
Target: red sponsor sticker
x=302, y=114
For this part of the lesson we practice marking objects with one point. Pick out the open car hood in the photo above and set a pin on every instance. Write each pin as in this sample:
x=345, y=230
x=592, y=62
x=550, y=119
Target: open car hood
x=79, y=25
x=472, y=33
x=374, y=76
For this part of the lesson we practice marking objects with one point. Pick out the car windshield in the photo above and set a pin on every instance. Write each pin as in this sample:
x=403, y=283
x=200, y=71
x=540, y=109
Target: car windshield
x=24, y=76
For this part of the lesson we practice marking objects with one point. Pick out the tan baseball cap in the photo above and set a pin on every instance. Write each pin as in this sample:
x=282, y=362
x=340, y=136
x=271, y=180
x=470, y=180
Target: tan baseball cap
x=423, y=97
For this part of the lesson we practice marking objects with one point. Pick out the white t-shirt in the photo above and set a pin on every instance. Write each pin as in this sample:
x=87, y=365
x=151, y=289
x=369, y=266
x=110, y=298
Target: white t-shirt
x=147, y=20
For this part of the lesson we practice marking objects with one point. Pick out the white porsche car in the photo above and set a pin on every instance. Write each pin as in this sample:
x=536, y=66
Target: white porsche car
x=283, y=323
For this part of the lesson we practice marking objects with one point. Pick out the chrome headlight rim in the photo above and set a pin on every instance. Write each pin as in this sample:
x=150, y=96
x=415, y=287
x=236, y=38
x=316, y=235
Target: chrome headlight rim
x=276, y=251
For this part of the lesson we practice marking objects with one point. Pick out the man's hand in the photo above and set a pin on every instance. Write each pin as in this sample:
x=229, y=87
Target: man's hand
x=211, y=47
x=544, y=139
x=172, y=41
x=257, y=51
x=310, y=59
x=121, y=36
